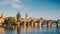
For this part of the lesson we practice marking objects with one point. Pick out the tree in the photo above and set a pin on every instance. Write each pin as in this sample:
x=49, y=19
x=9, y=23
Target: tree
x=12, y=20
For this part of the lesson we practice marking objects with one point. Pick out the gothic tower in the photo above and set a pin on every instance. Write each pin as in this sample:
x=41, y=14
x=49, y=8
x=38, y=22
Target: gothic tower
x=18, y=17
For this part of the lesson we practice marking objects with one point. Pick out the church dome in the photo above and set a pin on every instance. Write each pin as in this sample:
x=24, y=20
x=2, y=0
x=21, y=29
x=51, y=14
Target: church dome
x=3, y=15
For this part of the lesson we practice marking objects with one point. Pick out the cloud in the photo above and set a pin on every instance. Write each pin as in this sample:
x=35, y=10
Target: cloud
x=26, y=0
x=13, y=3
x=16, y=0
x=17, y=4
x=3, y=2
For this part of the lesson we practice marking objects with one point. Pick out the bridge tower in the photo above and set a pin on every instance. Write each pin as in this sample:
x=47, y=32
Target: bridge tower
x=18, y=18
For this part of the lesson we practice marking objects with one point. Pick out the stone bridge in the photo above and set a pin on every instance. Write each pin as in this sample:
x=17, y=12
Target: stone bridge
x=41, y=22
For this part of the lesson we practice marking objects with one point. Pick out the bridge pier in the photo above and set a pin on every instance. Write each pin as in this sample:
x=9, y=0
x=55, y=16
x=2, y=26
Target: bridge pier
x=33, y=24
x=24, y=23
x=40, y=24
x=0, y=24
x=58, y=24
x=49, y=23
x=18, y=24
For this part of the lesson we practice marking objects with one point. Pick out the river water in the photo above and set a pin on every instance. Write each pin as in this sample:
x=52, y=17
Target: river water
x=29, y=30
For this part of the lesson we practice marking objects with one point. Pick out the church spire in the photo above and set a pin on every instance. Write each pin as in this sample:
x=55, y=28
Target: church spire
x=26, y=15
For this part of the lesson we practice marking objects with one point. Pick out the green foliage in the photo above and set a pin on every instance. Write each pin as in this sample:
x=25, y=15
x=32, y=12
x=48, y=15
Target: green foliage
x=12, y=20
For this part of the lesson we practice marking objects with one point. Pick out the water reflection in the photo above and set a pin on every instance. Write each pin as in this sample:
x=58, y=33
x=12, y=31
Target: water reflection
x=20, y=29
x=2, y=30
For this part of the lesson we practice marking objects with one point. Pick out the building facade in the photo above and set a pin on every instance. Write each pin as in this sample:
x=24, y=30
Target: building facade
x=2, y=18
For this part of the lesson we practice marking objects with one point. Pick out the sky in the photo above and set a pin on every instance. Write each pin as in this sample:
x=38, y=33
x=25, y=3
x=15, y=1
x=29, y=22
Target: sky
x=47, y=9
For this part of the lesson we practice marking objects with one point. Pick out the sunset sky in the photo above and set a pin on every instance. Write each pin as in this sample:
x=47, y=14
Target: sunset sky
x=48, y=9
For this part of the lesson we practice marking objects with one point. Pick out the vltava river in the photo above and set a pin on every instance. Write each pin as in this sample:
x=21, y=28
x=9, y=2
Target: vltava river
x=29, y=30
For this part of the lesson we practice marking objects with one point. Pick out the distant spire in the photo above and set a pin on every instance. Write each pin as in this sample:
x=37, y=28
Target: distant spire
x=26, y=15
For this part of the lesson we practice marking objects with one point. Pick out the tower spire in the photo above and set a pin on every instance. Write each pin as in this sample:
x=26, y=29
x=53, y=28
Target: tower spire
x=18, y=15
x=26, y=15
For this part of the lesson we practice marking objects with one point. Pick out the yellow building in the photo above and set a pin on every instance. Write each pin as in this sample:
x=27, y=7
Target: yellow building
x=2, y=18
